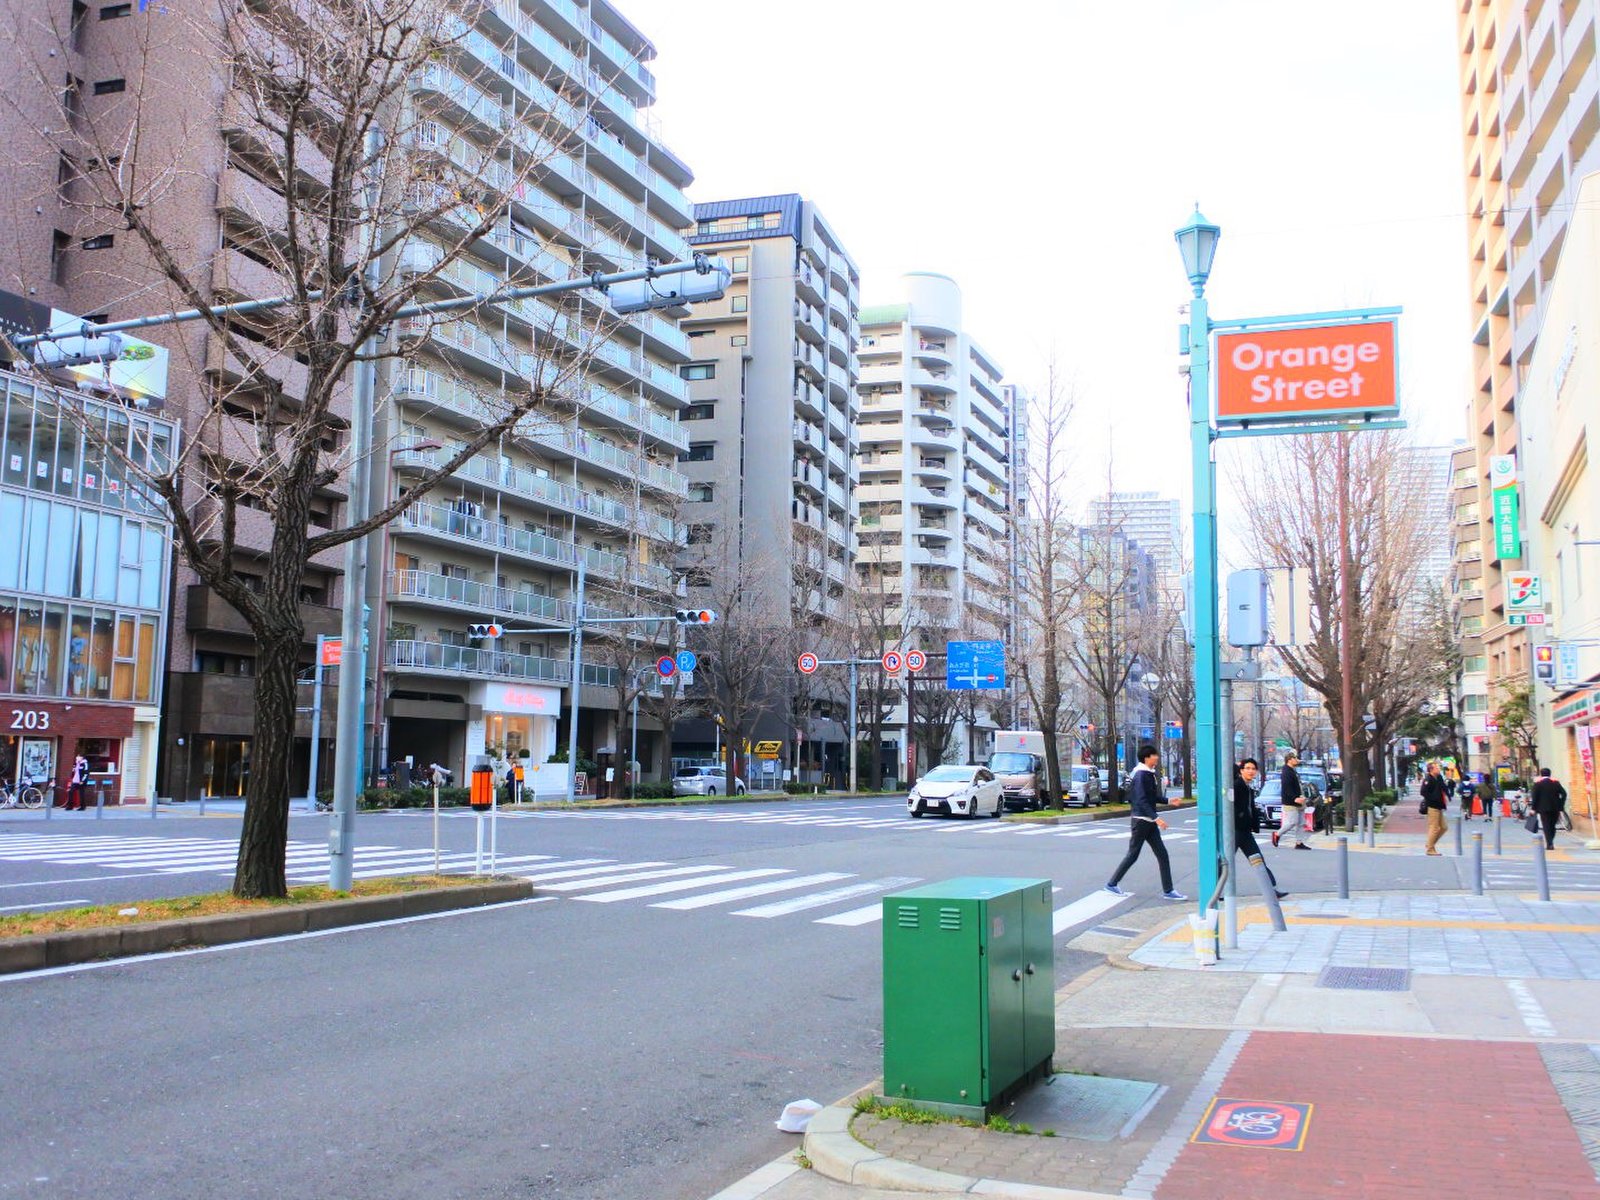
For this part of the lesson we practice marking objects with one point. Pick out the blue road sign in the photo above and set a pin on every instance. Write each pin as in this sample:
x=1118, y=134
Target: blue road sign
x=687, y=661
x=1147, y=731
x=975, y=666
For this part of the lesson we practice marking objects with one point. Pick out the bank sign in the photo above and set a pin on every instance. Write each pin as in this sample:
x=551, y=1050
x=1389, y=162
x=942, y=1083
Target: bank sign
x=1307, y=372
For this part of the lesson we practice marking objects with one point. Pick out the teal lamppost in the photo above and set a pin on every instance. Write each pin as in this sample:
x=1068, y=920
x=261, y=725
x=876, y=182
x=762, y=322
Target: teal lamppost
x=1197, y=242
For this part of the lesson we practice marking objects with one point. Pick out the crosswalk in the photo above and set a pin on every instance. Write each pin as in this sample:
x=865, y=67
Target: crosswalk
x=1520, y=876
x=830, y=898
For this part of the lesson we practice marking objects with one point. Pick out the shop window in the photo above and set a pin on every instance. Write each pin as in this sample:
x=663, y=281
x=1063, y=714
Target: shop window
x=225, y=766
x=122, y=660
x=144, y=676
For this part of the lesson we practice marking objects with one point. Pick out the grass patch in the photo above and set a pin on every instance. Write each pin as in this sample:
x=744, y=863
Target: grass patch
x=869, y=1105
x=211, y=904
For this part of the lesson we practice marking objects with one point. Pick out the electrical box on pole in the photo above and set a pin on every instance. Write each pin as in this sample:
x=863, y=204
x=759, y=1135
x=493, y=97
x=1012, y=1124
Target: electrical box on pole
x=1247, y=608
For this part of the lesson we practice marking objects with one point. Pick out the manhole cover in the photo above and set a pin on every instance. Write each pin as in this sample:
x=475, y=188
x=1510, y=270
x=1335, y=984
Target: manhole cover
x=1089, y=1107
x=1366, y=979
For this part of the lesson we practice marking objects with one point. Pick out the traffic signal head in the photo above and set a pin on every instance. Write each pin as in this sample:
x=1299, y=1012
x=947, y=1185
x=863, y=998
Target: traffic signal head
x=696, y=616
x=1544, y=663
x=484, y=631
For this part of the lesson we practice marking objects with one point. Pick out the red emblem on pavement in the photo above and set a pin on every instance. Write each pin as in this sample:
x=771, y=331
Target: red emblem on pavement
x=1268, y=1124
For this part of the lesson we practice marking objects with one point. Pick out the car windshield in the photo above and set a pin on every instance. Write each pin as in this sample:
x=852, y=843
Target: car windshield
x=1271, y=789
x=950, y=774
x=1313, y=775
x=1010, y=763
x=1080, y=774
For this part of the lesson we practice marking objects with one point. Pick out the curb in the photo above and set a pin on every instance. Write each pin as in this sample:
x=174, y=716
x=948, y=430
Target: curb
x=1081, y=818
x=835, y=1154
x=85, y=945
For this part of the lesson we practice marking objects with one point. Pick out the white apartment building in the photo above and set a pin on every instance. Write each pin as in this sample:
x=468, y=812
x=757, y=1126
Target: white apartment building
x=936, y=483
x=1148, y=518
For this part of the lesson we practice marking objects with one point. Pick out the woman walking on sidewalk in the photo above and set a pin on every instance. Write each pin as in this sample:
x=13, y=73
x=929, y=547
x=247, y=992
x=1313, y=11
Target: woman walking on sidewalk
x=1433, y=804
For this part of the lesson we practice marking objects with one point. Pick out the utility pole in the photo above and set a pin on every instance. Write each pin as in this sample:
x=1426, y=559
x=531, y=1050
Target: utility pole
x=1347, y=621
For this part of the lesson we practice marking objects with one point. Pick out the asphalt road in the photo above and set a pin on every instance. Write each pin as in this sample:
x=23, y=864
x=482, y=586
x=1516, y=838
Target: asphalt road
x=632, y=1033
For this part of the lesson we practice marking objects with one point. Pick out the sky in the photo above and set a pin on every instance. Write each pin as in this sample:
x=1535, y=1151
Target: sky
x=1042, y=152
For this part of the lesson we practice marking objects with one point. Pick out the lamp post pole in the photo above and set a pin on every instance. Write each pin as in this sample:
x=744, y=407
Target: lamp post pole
x=1198, y=242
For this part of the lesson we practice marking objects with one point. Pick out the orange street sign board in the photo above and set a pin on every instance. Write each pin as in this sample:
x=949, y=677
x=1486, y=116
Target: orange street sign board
x=1310, y=372
x=331, y=648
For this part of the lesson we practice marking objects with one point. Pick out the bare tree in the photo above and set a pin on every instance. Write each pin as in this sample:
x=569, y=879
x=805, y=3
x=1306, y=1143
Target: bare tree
x=1364, y=568
x=871, y=627
x=356, y=201
x=1043, y=536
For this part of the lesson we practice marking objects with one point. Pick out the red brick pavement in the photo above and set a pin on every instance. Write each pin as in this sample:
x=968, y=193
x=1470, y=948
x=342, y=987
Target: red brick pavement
x=1395, y=1119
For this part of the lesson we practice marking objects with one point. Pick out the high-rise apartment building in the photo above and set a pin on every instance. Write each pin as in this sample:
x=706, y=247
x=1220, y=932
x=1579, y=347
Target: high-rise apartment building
x=1148, y=518
x=1531, y=110
x=1469, y=699
x=935, y=468
x=550, y=99
x=770, y=453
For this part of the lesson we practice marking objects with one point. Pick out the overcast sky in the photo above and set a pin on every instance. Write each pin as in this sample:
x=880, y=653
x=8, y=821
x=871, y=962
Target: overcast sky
x=1042, y=154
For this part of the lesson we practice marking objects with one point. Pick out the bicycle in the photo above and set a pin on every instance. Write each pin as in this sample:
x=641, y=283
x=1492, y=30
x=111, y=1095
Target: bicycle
x=27, y=795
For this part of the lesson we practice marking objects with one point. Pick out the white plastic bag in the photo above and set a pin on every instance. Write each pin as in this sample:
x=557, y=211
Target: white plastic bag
x=1204, y=931
x=797, y=1115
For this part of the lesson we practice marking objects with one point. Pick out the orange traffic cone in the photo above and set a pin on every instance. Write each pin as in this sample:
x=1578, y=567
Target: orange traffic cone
x=1477, y=806
x=1505, y=807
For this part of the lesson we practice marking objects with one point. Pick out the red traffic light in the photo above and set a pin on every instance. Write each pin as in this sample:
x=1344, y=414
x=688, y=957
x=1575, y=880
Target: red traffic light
x=1544, y=654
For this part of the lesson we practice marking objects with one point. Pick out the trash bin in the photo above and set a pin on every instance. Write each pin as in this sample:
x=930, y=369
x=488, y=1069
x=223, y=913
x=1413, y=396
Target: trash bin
x=968, y=993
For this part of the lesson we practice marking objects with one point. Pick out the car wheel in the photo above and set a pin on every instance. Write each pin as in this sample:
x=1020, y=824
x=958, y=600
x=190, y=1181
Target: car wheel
x=972, y=809
x=996, y=813
x=711, y=791
x=917, y=810
x=739, y=791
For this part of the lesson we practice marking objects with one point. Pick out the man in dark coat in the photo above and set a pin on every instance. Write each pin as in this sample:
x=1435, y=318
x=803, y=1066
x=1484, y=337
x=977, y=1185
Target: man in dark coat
x=1294, y=804
x=1144, y=793
x=1247, y=817
x=1549, y=801
x=1434, y=800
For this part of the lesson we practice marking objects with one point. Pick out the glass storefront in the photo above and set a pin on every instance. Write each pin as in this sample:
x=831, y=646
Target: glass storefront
x=76, y=651
x=225, y=766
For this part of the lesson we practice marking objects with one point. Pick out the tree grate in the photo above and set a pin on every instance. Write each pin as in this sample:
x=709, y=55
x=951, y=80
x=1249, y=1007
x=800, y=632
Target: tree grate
x=1366, y=979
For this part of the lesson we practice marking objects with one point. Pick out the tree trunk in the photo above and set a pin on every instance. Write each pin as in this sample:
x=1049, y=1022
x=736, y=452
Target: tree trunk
x=1188, y=773
x=263, y=841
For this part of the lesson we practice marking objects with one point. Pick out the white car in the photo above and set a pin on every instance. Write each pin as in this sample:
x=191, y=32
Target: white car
x=960, y=791
x=704, y=781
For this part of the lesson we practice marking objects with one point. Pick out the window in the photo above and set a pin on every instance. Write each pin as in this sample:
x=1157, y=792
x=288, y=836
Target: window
x=109, y=87
x=739, y=339
x=741, y=263
x=100, y=241
x=701, y=493
x=80, y=12
x=698, y=371
x=1474, y=664
x=59, y=242
x=72, y=99
x=1474, y=704
x=740, y=304
x=699, y=452
x=700, y=533
x=698, y=412
x=110, y=12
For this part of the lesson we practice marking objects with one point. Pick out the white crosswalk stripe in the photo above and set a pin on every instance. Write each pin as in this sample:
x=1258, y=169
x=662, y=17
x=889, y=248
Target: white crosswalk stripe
x=750, y=890
x=1116, y=828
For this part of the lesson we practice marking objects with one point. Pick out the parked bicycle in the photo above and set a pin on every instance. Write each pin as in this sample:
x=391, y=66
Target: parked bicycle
x=27, y=794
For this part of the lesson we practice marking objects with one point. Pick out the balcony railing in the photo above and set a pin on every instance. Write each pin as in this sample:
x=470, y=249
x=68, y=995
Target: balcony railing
x=467, y=660
x=478, y=597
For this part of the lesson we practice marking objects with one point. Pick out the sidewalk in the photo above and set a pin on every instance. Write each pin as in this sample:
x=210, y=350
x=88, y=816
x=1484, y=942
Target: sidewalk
x=1436, y=1044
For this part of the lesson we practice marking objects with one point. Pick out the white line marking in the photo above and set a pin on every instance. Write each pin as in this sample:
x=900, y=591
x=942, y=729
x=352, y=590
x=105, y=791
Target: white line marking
x=754, y=889
x=681, y=885
x=46, y=904
x=783, y=908
x=630, y=876
x=1530, y=1010
x=1083, y=909
x=856, y=916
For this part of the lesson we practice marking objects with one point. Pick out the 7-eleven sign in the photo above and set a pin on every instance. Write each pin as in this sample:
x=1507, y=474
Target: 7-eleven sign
x=1524, y=592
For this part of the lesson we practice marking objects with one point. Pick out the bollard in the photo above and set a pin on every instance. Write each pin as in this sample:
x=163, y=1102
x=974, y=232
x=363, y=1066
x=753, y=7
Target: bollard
x=1344, y=867
x=1269, y=893
x=1477, y=864
x=477, y=861
x=1459, y=822
x=100, y=802
x=1541, y=869
x=1498, y=851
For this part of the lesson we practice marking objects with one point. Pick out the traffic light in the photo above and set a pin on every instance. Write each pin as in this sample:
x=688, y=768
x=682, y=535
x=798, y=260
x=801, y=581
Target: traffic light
x=1544, y=664
x=696, y=616
x=484, y=631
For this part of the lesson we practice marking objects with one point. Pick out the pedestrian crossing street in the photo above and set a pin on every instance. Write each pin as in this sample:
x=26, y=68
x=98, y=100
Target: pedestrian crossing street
x=837, y=898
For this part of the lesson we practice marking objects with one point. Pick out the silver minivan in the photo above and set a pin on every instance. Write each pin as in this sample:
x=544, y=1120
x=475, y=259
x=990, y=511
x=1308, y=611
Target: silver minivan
x=1083, y=786
x=704, y=781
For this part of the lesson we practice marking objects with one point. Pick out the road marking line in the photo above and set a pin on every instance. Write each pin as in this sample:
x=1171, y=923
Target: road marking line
x=46, y=904
x=1084, y=908
x=1530, y=1010
x=630, y=876
x=754, y=889
x=681, y=885
x=783, y=908
x=856, y=916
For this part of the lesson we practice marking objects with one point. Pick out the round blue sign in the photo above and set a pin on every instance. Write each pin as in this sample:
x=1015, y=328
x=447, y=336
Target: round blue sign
x=686, y=660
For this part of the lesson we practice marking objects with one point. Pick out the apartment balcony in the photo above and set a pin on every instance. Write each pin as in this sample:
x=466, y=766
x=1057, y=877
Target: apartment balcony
x=809, y=324
x=809, y=402
x=207, y=612
x=436, y=658
x=463, y=527
x=838, y=497
x=839, y=459
x=839, y=345
x=933, y=349
x=841, y=386
x=877, y=493
x=247, y=200
x=809, y=284
x=928, y=530
x=879, y=372
x=935, y=470
x=467, y=104
x=810, y=437
x=940, y=381
x=936, y=436
x=934, y=497
x=233, y=373
x=235, y=277
x=468, y=596
x=935, y=552
x=808, y=479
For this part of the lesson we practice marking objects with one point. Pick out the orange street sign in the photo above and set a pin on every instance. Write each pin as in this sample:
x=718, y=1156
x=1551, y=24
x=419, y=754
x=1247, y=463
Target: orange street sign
x=331, y=651
x=1318, y=372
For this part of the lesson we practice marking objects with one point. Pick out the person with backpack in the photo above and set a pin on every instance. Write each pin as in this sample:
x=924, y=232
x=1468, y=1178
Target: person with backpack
x=1549, y=801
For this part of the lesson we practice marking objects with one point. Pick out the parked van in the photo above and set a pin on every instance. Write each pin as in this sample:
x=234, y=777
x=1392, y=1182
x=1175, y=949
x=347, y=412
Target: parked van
x=1018, y=763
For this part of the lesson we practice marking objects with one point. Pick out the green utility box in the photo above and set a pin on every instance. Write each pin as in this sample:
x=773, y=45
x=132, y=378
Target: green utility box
x=968, y=992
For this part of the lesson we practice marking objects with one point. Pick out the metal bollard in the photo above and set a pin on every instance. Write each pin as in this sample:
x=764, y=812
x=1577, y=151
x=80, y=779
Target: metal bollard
x=1459, y=822
x=1344, y=867
x=1269, y=893
x=1477, y=864
x=99, y=802
x=1498, y=851
x=1541, y=869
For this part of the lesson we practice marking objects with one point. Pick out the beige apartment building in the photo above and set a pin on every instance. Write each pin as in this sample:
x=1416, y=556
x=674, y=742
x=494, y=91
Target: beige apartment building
x=1530, y=110
x=561, y=81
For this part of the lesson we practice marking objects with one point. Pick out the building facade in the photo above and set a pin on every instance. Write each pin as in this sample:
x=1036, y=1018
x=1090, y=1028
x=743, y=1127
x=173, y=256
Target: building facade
x=1470, y=697
x=556, y=94
x=83, y=588
x=1148, y=518
x=773, y=373
x=936, y=482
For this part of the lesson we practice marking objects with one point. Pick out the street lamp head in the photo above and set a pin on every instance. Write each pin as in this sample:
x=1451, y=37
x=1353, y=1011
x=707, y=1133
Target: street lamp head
x=1197, y=242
